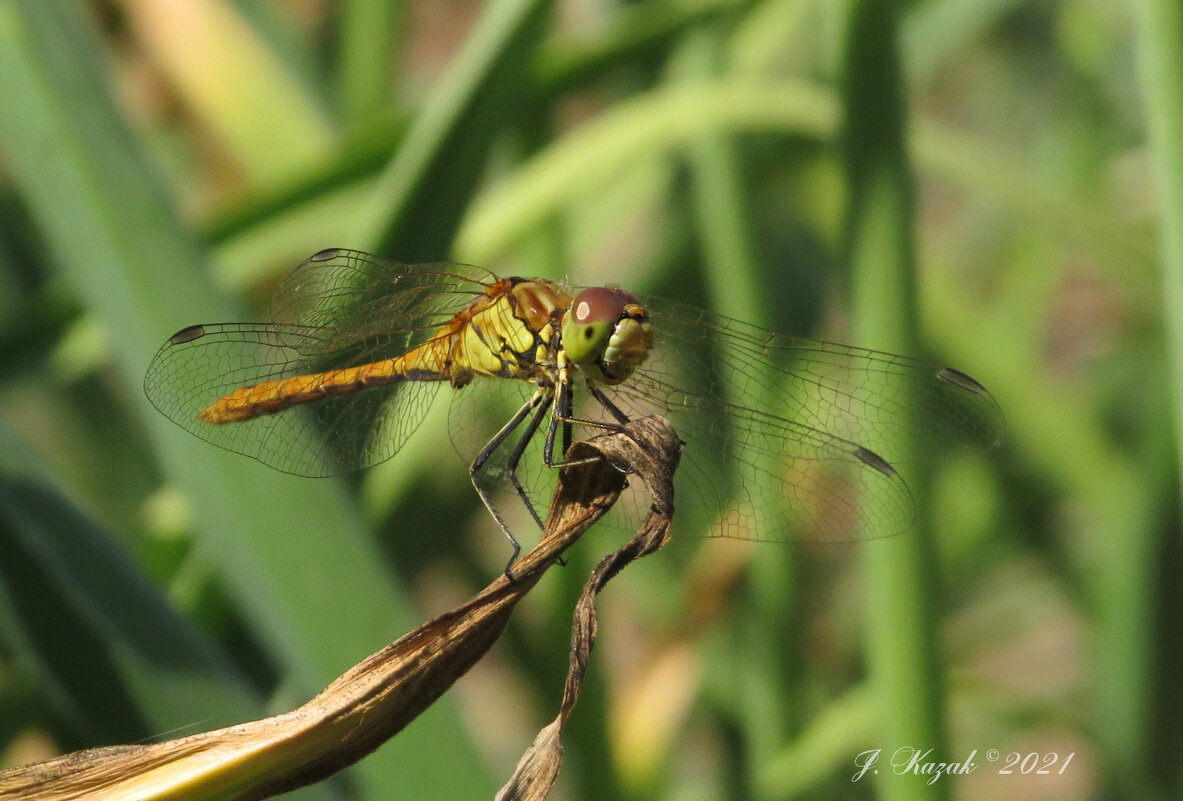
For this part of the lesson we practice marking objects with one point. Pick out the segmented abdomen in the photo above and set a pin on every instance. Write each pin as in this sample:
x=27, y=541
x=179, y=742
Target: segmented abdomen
x=424, y=363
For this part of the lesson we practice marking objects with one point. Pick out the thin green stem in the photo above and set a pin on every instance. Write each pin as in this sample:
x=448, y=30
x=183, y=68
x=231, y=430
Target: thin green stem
x=901, y=572
x=369, y=33
x=765, y=699
x=1126, y=725
x=126, y=255
x=1161, y=68
x=417, y=204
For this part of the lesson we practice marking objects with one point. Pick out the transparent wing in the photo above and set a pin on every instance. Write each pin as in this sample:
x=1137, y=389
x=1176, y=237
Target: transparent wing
x=339, y=309
x=870, y=398
x=786, y=438
x=364, y=296
x=790, y=439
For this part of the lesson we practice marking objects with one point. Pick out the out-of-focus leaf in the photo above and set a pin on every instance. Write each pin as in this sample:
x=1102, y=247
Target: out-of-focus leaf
x=632, y=32
x=369, y=34
x=416, y=207
x=234, y=83
x=102, y=643
x=278, y=542
x=642, y=126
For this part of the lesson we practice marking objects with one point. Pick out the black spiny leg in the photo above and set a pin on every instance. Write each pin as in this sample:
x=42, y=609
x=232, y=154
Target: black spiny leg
x=607, y=403
x=511, y=466
x=483, y=457
x=614, y=410
x=566, y=408
x=516, y=456
x=562, y=414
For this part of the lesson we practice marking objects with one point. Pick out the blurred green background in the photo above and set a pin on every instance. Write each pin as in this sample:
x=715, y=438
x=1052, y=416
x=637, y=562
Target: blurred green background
x=973, y=181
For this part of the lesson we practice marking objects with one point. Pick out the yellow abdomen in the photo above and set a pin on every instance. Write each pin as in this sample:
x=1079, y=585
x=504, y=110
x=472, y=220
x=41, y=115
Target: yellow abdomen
x=504, y=333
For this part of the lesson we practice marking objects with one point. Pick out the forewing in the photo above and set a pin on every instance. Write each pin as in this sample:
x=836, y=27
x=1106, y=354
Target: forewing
x=339, y=309
x=877, y=400
x=363, y=296
x=790, y=439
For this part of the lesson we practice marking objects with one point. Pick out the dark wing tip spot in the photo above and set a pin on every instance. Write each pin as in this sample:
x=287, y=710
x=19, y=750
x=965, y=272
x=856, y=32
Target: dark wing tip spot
x=960, y=379
x=872, y=459
x=328, y=254
x=187, y=335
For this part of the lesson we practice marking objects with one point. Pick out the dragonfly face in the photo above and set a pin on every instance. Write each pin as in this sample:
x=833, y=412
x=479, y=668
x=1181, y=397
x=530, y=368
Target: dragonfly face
x=786, y=438
x=607, y=333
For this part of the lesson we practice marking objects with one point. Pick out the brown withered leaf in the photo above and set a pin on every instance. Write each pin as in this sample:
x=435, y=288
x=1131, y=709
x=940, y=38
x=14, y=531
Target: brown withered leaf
x=653, y=458
x=379, y=696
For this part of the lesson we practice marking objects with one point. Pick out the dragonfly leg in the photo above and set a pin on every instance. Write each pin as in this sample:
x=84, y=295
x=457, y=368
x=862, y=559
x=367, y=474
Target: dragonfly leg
x=562, y=415
x=566, y=409
x=511, y=466
x=607, y=403
x=483, y=457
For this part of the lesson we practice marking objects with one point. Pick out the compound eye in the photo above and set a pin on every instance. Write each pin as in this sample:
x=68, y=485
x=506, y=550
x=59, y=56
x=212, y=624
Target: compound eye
x=589, y=323
x=598, y=304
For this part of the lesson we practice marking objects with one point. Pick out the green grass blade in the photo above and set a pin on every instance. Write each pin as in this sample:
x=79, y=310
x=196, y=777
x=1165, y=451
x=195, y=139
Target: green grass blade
x=642, y=127
x=235, y=84
x=417, y=205
x=665, y=119
x=369, y=34
x=1161, y=69
x=632, y=32
x=102, y=641
x=279, y=542
x=1128, y=703
x=902, y=641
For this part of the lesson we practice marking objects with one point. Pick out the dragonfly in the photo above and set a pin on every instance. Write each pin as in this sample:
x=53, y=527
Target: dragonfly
x=786, y=439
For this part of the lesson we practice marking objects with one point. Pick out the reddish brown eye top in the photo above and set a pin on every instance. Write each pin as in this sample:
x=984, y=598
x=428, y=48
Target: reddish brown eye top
x=598, y=304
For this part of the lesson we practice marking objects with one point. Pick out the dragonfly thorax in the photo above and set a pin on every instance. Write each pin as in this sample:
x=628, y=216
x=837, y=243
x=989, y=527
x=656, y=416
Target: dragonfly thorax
x=607, y=333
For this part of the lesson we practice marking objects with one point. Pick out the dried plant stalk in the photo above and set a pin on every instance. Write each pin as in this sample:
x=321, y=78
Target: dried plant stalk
x=379, y=696
x=659, y=451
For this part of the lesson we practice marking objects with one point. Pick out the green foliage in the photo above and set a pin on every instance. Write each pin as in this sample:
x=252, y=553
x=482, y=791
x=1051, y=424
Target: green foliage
x=166, y=163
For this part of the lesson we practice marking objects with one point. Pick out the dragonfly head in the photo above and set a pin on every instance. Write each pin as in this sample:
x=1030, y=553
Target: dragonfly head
x=606, y=331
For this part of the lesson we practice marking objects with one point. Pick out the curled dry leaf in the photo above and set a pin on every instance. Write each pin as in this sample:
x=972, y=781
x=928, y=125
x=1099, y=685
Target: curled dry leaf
x=653, y=456
x=379, y=696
